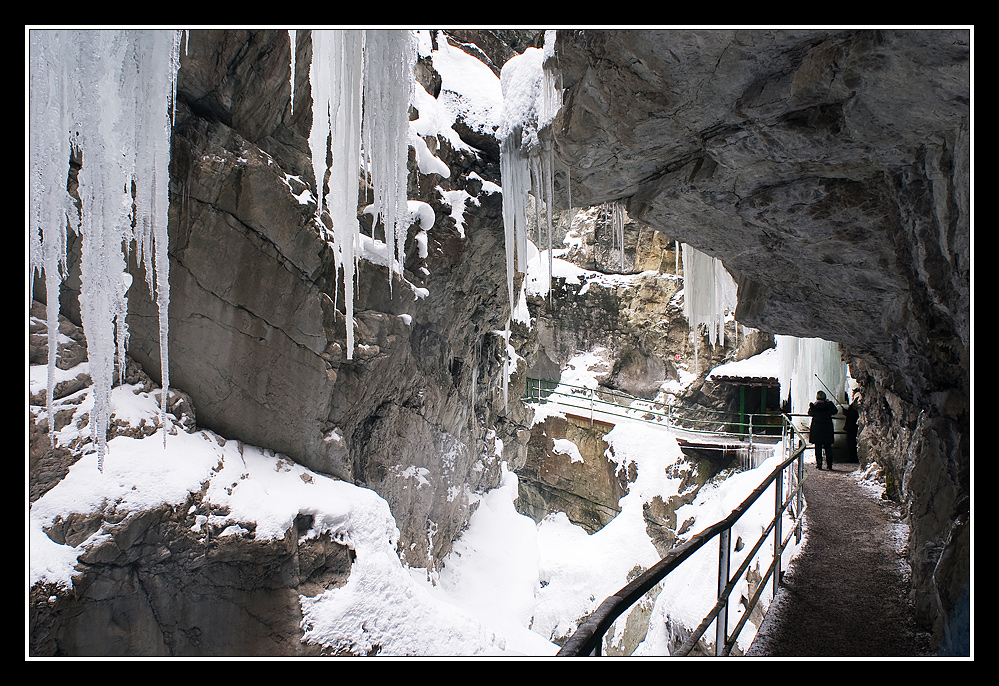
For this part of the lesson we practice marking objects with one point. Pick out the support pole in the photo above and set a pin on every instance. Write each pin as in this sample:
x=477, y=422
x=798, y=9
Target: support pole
x=721, y=621
x=778, y=536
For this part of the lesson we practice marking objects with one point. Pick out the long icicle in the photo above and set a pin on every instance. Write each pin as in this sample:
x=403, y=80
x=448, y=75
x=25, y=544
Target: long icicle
x=118, y=106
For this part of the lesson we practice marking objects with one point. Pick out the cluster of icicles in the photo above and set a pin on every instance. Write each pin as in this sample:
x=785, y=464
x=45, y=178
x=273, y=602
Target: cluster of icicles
x=531, y=99
x=362, y=85
x=106, y=95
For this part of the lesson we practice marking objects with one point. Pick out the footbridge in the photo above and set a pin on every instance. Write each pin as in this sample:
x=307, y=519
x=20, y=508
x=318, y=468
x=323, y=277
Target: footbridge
x=750, y=437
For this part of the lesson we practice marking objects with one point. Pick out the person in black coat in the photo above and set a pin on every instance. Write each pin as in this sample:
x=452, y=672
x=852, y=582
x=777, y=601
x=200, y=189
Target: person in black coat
x=821, y=430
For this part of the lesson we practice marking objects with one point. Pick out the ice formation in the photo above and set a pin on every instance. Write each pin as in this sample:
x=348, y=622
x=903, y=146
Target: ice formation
x=709, y=295
x=292, y=35
x=107, y=94
x=361, y=85
x=389, y=58
x=531, y=99
x=617, y=219
x=808, y=365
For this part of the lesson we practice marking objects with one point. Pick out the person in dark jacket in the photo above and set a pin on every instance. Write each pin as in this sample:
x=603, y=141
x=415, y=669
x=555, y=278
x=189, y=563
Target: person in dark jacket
x=821, y=430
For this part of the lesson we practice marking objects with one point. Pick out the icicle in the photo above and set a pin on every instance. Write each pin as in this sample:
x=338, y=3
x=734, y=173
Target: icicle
x=152, y=181
x=617, y=217
x=549, y=174
x=507, y=359
x=389, y=59
x=347, y=56
x=534, y=162
x=531, y=99
x=320, y=77
x=568, y=189
x=335, y=75
x=292, y=35
x=515, y=172
x=350, y=67
x=709, y=293
x=52, y=207
x=116, y=90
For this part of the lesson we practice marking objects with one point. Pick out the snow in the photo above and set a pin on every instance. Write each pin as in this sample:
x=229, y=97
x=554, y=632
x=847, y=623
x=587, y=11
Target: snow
x=457, y=200
x=381, y=603
x=683, y=597
x=564, y=446
x=544, y=266
x=470, y=90
x=508, y=587
x=765, y=365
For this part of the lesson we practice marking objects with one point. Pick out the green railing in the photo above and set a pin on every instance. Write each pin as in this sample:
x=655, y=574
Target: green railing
x=693, y=421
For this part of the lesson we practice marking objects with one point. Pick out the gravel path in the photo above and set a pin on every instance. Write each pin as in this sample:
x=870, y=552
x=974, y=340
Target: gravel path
x=845, y=594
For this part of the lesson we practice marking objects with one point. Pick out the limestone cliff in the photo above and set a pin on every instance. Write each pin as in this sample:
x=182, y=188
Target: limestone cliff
x=256, y=316
x=829, y=170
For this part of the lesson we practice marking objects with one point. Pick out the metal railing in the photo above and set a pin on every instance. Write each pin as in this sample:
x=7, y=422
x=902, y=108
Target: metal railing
x=706, y=422
x=787, y=478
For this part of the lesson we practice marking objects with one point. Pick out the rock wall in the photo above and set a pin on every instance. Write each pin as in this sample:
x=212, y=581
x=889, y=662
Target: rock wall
x=165, y=581
x=257, y=330
x=156, y=588
x=583, y=483
x=829, y=170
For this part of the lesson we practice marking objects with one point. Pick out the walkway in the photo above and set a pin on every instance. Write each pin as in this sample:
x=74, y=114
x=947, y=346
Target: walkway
x=845, y=594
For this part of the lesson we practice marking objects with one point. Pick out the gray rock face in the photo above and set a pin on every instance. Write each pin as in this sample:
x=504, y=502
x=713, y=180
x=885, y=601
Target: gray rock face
x=157, y=588
x=829, y=170
x=594, y=245
x=257, y=330
x=587, y=490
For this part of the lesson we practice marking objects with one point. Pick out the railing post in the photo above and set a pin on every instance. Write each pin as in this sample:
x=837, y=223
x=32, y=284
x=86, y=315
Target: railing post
x=721, y=621
x=778, y=536
x=800, y=497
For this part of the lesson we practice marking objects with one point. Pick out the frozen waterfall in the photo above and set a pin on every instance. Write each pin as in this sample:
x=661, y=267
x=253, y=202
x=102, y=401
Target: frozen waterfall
x=808, y=365
x=531, y=99
x=709, y=295
x=362, y=85
x=107, y=94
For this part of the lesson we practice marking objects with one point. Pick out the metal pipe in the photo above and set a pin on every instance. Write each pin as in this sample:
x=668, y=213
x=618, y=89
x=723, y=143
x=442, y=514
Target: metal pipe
x=721, y=621
x=778, y=515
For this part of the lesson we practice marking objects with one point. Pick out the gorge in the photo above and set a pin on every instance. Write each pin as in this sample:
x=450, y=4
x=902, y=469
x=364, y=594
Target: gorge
x=829, y=170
